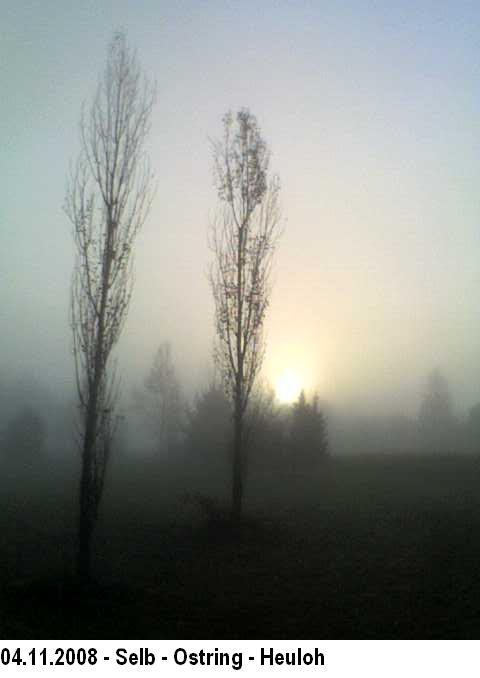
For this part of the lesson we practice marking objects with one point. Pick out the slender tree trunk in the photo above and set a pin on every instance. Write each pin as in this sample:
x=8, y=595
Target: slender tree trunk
x=85, y=530
x=85, y=524
x=87, y=498
x=237, y=479
x=237, y=468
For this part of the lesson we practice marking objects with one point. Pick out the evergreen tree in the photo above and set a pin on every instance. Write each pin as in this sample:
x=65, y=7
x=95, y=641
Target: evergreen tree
x=308, y=433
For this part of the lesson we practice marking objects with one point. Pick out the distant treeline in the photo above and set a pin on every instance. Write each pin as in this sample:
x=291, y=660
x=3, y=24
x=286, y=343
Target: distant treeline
x=161, y=421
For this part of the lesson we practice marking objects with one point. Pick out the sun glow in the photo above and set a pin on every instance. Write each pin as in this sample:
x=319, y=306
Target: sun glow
x=288, y=386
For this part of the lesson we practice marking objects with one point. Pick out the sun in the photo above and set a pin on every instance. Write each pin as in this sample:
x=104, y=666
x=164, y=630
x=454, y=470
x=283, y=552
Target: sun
x=288, y=386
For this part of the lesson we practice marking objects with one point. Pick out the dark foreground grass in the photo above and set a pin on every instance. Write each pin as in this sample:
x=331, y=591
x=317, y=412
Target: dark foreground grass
x=380, y=547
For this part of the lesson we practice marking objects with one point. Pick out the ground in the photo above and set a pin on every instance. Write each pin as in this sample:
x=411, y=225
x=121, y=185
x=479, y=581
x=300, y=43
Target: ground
x=371, y=547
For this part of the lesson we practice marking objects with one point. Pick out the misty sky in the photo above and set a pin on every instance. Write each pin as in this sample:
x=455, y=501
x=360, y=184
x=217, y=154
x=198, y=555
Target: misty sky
x=372, y=113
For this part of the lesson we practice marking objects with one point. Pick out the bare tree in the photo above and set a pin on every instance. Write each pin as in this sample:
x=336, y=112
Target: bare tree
x=107, y=201
x=437, y=423
x=165, y=408
x=243, y=238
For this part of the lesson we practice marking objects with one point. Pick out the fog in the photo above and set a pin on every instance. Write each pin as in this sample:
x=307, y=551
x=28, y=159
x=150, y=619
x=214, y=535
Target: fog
x=372, y=122
x=371, y=115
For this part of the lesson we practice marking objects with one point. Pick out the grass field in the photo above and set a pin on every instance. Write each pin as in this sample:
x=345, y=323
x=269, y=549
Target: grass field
x=368, y=547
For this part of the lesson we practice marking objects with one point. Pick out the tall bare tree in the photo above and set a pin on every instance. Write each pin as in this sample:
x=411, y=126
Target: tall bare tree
x=107, y=201
x=243, y=239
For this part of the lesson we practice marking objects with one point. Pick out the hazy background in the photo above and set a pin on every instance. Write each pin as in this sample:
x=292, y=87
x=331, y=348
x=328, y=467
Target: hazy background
x=372, y=112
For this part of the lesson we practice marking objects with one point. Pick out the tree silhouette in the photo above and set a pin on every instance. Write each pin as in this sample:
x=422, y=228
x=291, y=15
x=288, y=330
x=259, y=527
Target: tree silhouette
x=308, y=433
x=165, y=409
x=473, y=428
x=243, y=239
x=208, y=425
x=107, y=201
x=266, y=430
x=436, y=418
